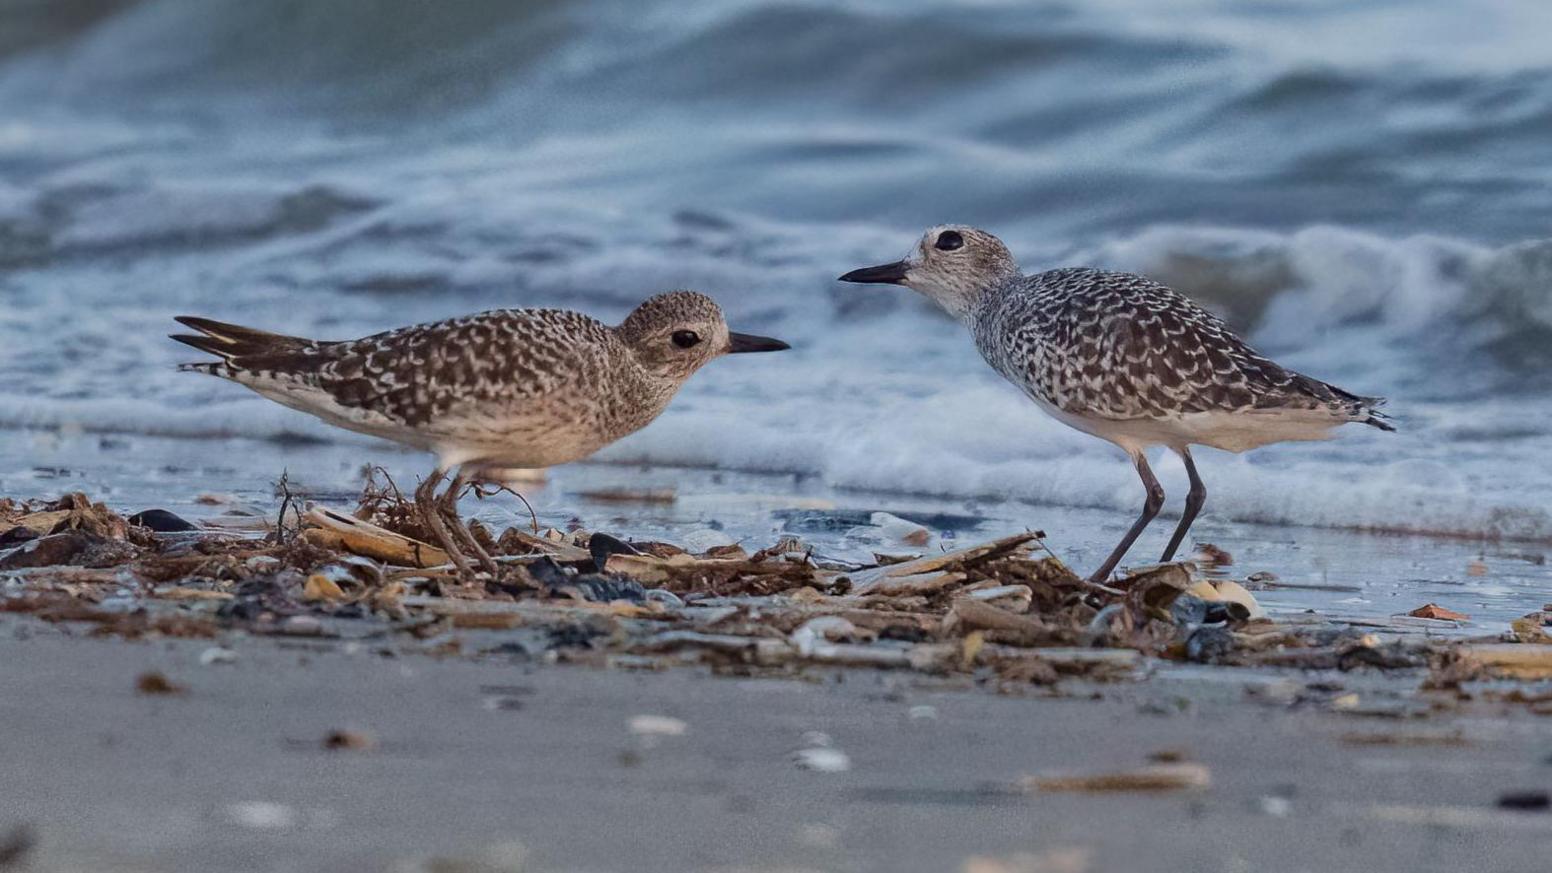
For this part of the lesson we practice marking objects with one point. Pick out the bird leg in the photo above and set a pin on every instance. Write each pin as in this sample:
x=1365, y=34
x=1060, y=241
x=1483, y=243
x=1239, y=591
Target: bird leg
x=1150, y=508
x=483, y=490
x=459, y=530
x=1194, y=500
x=428, y=504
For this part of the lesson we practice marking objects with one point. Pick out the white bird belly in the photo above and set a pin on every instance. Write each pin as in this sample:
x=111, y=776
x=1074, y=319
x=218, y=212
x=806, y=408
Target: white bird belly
x=1232, y=431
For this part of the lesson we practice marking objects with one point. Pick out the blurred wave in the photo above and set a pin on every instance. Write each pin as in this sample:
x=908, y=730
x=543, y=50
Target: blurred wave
x=1361, y=186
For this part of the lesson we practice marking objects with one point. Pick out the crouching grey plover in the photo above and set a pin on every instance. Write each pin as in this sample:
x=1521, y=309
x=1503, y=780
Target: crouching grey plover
x=1123, y=358
x=510, y=387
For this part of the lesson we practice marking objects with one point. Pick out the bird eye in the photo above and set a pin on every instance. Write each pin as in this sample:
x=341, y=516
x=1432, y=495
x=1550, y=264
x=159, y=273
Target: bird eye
x=949, y=240
x=685, y=338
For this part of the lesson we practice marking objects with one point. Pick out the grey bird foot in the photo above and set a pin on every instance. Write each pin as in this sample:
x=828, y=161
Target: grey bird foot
x=431, y=507
x=484, y=488
x=448, y=507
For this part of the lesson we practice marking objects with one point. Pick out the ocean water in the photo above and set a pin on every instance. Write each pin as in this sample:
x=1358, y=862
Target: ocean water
x=1361, y=186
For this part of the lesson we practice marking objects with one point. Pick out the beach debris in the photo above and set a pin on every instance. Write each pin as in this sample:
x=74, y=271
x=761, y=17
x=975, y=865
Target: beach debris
x=822, y=520
x=822, y=759
x=894, y=529
x=348, y=740
x=73, y=511
x=657, y=726
x=1445, y=739
x=1457, y=818
x=628, y=495
x=153, y=682
x=321, y=587
x=987, y=622
x=261, y=815
x=1275, y=805
x=1531, y=628
x=77, y=547
x=217, y=655
x=1004, y=613
x=1512, y=660
x=711, y=542
x=1209, y=555
x=1525, y=801
x=1072, y=859
x=505, y=857
x=1153, y=778
x=1238, y=603
x=932, y=572
x=334, y=529
x=16, y=844
x=1435, y=611
x=161, y=521
x=824, y=629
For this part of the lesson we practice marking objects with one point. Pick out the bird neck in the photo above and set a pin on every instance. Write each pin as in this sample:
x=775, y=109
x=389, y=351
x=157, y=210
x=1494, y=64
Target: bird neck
x=969, y=306
x=649, y=395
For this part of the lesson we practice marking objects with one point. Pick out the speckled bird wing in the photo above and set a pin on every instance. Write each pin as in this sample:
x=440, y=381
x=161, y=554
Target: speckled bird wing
x=1121, y=346
x=416, y=374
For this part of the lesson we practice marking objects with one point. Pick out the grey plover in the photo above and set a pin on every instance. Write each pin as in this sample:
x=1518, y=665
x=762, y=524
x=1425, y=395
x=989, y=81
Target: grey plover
x=1123, y=358
x=510, y=387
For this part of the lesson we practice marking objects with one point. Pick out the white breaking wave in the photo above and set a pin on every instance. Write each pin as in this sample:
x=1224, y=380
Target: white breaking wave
x=897, y=400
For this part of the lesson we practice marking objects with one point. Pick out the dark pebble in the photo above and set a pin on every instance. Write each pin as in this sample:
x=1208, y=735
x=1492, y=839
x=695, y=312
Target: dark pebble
x=50, y=551
x=575, y=635
x=1219, y=612
x=16, y=536
x=607, y=589
x=1525, y=801
x=601, y=546
x=1209, y=644
x=161, y=521
x=1188, y=610
x=823, y=520
x=547, y=573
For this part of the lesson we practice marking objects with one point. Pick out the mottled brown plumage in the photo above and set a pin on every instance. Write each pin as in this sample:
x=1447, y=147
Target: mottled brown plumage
x=510, y=387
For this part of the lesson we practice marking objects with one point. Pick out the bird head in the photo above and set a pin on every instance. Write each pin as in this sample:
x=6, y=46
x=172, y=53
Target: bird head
x=676, y=333
x=952, y=265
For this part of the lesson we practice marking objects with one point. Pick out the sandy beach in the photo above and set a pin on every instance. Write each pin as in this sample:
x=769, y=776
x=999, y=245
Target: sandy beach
x=500, y=765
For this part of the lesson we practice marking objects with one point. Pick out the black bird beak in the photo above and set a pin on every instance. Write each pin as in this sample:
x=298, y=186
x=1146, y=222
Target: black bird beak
x=883, y=274
x=748, y=342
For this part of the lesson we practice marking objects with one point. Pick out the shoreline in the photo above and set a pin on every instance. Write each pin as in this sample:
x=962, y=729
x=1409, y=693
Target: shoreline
x=296, y=445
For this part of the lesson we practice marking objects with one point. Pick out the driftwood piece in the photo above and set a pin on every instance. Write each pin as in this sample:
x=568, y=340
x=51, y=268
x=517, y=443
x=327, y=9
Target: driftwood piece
x=1513, y=660
x=888, y=577
x=971, y=614
x=562, y=552
x=1160, y=777
x=335, y=529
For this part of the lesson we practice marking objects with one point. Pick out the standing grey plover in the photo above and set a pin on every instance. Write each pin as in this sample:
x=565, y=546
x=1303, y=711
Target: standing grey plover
x=1123, y=358
x=510, y=387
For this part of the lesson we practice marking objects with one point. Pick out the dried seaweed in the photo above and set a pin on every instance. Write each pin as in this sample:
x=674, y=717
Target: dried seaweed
x=1006, y=612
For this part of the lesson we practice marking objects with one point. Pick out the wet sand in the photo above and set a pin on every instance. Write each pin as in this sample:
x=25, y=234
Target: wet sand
x=473, y=759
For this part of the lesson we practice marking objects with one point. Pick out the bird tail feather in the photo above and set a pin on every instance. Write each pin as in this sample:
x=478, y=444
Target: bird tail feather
x=230, y=342
x=1369, y=408
x=233, y=340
